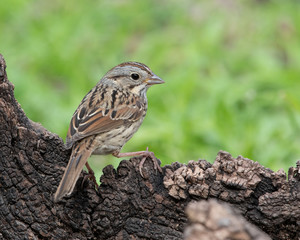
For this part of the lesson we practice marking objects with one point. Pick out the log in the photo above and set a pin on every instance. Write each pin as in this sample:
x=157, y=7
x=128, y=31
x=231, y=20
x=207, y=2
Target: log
x=126, y=205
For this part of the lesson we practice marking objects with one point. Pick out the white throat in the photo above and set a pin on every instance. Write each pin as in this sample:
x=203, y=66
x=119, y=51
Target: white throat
x=140, y=90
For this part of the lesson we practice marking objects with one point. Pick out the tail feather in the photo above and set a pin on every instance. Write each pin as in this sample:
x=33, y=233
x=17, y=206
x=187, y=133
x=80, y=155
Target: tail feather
x=79, y=157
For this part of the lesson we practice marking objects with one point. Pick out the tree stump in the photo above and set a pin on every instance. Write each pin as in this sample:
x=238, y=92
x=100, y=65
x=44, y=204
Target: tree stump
x=127, y=206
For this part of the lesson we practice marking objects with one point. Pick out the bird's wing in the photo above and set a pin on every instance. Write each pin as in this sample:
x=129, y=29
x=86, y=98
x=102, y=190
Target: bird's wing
x=96, y=115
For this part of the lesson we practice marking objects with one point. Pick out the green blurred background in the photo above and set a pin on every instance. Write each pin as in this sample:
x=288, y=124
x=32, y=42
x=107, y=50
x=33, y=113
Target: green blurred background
x=232, y=71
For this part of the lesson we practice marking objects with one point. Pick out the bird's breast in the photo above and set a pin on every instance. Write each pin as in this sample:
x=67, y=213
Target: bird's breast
x=114, y=140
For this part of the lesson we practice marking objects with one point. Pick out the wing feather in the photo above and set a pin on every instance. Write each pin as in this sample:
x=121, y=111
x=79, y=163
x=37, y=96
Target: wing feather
x=101, y=117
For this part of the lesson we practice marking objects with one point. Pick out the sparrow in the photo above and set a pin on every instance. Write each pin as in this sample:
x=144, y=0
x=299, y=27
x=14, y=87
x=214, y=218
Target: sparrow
x=106, y=119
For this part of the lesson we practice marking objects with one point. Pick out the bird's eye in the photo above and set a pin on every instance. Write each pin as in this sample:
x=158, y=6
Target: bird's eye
x=135, y=76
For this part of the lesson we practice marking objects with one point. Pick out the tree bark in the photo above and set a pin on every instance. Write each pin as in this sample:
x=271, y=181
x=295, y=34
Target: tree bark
x=127, y=206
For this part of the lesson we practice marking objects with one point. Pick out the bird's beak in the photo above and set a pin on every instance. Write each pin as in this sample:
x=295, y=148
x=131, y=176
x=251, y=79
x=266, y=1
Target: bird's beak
x=154, y=80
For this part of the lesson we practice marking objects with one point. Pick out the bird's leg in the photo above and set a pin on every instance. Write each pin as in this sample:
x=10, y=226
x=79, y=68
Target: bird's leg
x=91, y=175
x=144, y=154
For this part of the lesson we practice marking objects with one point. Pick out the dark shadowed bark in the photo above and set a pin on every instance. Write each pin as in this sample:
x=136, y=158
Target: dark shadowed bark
x=127, y=206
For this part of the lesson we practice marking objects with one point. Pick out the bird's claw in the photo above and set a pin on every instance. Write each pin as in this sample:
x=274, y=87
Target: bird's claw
x=154, y=160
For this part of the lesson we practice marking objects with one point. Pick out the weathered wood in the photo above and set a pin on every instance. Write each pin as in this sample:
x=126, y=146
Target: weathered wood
x=126, y=206
x=214, y=220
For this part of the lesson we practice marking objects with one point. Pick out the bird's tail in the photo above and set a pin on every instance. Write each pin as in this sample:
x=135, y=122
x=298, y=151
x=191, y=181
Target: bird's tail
x=80, y=153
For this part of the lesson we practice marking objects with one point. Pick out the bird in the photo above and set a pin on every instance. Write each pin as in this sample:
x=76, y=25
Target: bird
x=106, y=119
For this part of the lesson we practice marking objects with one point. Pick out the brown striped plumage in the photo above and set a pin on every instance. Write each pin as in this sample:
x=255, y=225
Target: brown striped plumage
x=106, y=119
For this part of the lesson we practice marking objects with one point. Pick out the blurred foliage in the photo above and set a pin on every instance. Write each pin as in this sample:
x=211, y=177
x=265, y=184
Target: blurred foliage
x=232, y=70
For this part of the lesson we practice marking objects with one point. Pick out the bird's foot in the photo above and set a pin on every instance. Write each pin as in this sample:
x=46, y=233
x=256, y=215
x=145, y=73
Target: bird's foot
x=91, y=176
x=145, y=154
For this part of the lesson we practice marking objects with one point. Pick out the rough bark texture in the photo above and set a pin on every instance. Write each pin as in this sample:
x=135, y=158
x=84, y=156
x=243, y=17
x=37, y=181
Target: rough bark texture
x=127, y=206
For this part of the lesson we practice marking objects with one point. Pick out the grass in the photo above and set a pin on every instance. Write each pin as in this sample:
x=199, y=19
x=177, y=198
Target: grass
x=231, y=70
